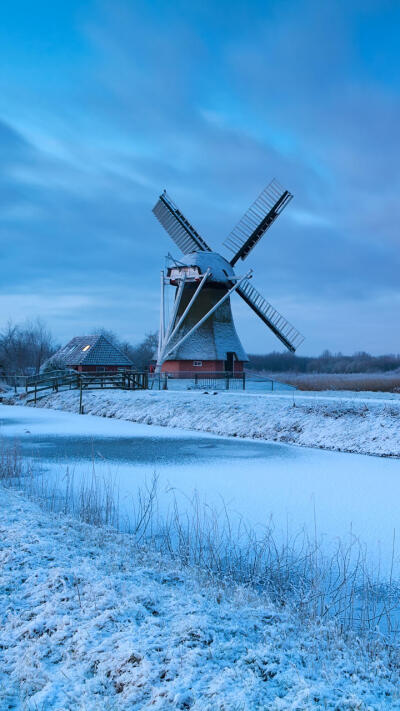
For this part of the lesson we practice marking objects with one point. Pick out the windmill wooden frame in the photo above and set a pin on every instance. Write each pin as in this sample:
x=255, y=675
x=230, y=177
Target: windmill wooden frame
x=204, y=281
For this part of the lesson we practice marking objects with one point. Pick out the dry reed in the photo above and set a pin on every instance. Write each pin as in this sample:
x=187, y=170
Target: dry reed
x=338, y=585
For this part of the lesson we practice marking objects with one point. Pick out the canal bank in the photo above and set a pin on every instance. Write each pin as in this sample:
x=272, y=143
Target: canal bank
x=363, y=423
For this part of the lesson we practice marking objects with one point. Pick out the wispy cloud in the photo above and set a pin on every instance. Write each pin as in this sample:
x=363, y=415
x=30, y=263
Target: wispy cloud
x=210, y=100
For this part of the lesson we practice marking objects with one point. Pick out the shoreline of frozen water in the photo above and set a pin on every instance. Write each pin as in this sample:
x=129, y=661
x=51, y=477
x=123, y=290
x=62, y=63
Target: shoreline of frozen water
x=365, y=426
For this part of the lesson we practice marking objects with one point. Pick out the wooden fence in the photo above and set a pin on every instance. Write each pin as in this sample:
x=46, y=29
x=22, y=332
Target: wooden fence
x=37, y=386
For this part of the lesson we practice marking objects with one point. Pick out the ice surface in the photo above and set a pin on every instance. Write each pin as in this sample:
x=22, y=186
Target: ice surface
x=297, y=487
x=368, y=425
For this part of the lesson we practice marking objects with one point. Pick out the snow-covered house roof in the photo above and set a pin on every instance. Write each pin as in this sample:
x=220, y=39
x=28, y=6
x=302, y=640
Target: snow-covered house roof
x=89, y=350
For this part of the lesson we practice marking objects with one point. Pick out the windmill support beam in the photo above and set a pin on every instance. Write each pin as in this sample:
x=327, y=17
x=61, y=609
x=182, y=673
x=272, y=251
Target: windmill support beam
x=207, y=315
x=177, y=301
x=162, y=317
x=170, y=336
x=189, y=306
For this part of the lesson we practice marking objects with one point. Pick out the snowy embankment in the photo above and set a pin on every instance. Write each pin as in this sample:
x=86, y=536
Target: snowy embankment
x=91, y=621
x=367, y=426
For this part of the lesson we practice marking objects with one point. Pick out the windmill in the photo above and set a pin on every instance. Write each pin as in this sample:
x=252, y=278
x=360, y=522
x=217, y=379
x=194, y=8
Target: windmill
x=200, y=333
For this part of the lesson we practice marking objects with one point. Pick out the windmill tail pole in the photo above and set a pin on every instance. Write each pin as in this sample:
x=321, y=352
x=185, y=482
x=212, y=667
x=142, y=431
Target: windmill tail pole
x=162, y=320
x=177, y=302
x=163, y=341
x=207, y=315
x=171, y=335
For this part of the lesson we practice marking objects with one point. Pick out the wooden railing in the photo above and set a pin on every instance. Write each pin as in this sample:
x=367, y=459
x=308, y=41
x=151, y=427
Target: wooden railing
x=37, y=386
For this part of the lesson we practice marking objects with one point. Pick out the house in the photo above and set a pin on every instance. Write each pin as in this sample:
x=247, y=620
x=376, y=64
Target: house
x=88, y=354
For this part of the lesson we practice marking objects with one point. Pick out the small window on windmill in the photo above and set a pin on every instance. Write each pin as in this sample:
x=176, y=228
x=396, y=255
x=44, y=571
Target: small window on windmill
x=198, y=363
x=86, y=348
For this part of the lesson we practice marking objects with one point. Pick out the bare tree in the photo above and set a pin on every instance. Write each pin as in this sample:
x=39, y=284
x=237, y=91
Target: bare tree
x=24, y=347
x=143, y=353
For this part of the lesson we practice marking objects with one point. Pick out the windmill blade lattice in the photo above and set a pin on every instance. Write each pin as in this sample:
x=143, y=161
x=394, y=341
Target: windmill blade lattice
x=178, y=227
x=284, y=330
x=258, y=218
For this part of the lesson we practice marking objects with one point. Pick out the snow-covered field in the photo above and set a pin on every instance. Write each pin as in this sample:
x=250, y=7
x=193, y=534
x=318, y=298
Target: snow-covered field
x=90, y=621
x=367, y=425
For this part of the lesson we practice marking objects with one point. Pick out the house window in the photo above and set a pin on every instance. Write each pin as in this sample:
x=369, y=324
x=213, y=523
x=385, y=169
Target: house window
x=198, y=363
x=85, y=348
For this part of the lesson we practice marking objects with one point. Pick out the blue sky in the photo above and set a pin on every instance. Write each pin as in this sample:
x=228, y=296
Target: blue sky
x=103, y=104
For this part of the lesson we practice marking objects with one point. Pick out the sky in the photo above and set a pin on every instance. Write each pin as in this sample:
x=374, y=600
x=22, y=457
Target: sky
x=105, y=104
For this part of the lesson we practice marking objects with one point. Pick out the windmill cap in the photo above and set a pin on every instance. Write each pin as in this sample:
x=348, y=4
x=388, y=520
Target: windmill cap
x=220, y=268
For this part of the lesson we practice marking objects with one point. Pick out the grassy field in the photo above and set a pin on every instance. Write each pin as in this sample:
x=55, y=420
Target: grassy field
x=376, y=382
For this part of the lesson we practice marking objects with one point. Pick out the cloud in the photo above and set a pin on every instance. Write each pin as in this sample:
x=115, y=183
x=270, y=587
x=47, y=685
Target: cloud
x=212, y=101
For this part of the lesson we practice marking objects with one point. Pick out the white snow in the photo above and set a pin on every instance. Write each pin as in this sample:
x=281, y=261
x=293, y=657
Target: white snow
x=91, y=622
x=368, y=426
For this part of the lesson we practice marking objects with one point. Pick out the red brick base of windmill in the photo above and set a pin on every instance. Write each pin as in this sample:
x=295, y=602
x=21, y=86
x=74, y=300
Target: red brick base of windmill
x=189, y=368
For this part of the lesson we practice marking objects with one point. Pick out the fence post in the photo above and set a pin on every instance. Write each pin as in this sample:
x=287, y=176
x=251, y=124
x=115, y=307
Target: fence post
x=272, y=385
x=15, y=384
x=227, y=382
x=244, y=381
x=35, y=390
x=80, y=396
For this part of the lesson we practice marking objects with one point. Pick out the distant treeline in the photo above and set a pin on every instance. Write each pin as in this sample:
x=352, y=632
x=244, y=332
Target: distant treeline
x=327, y=362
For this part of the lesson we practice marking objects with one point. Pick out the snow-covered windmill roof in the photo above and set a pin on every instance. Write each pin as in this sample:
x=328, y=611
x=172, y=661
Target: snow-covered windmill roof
x=221, y=270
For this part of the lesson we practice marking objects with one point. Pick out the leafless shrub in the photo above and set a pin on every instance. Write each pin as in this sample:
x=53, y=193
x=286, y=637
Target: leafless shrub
x=24, y=347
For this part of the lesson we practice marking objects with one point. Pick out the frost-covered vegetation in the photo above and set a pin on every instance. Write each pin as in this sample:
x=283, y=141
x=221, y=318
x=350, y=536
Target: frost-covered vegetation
x=367, y=425
x=183, y=612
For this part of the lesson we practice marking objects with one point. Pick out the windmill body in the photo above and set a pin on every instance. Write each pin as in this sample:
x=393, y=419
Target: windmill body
x=214, y=346
x=200, y=333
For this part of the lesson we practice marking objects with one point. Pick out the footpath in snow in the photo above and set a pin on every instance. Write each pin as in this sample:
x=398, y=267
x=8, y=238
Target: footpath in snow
x=367, y=426
x=90, y=621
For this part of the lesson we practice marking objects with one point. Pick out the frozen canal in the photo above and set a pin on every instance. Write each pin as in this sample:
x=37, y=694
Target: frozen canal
x=295, y=486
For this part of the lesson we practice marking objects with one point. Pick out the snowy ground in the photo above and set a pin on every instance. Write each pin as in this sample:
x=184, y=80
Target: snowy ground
x=367, y=425
x=89, y=621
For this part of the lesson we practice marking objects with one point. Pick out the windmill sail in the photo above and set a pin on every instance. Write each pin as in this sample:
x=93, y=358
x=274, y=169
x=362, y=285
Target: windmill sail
x=258, y=218
x=178, y=227
x=287, y=333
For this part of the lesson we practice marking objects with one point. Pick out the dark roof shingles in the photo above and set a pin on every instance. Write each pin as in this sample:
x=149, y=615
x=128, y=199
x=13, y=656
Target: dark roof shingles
x=101, y=352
